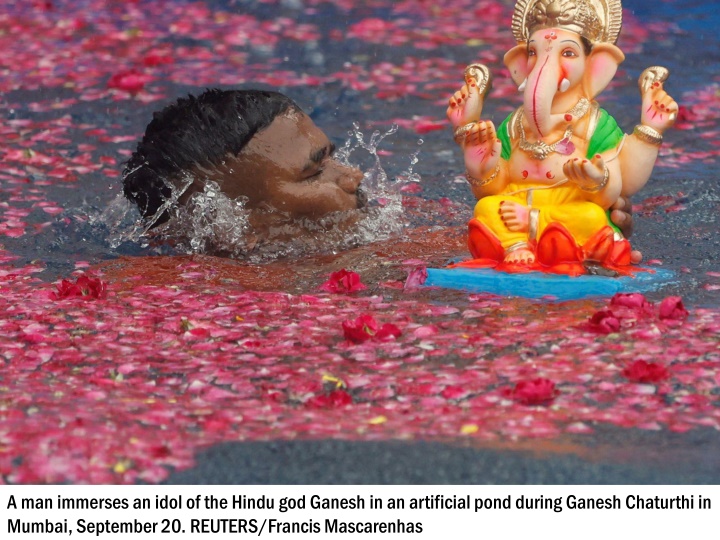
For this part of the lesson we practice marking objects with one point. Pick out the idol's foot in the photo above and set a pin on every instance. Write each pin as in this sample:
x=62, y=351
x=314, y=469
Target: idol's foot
x=519, y=254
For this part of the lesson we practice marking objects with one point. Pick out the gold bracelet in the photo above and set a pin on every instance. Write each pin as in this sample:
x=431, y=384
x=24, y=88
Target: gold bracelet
x=648, y=135
x=601, y=185
x=460, y=132
x=476, y=182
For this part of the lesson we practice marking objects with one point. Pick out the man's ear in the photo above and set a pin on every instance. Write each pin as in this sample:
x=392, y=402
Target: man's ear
x=600, y=68
x=516, y=60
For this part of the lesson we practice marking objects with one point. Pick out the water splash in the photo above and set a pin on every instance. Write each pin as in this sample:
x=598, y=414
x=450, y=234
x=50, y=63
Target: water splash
x=375, y=180
x=384, y=196
x=122, y=220
x=210, y=222
x=409, y=175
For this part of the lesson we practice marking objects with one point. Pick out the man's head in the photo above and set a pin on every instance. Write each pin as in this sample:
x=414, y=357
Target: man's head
x=253, y=144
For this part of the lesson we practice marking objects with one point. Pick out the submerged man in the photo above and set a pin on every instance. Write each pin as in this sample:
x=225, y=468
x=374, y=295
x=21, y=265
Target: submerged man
x=256, y=146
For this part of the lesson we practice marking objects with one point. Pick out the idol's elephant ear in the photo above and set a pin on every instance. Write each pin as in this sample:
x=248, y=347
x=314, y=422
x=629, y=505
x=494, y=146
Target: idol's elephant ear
x=602, y=64
x=516, y=60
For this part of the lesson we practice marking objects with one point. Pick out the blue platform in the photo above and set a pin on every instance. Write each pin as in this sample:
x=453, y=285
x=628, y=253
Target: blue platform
x=544, y=286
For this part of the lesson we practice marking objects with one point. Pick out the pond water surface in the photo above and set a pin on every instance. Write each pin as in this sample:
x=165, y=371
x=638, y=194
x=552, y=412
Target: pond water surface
x=211, y=351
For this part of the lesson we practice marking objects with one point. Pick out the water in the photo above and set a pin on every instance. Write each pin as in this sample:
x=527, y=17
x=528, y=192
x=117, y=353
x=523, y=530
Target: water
x=198, y=349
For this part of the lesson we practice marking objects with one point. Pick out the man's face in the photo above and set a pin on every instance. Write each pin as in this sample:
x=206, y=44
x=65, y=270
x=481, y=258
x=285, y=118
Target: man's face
x=288, y=166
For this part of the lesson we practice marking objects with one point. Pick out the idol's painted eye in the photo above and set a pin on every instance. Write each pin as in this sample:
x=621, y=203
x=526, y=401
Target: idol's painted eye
x=531, y=52
x=569, y=53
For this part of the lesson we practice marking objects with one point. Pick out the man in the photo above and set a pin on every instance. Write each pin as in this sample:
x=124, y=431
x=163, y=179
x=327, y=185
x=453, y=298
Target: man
x=257, y=147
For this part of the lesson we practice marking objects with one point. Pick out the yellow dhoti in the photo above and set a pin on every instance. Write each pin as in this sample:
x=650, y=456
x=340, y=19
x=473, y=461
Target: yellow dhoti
x=563, y=204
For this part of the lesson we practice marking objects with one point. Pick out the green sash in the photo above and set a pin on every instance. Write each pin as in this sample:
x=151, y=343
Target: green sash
x=607, y=135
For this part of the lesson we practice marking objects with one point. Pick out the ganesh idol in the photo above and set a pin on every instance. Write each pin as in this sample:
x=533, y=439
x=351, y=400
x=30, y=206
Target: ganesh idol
x=546, y=177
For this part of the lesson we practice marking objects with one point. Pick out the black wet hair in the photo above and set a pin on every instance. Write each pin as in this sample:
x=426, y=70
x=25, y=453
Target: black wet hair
x=200, y=130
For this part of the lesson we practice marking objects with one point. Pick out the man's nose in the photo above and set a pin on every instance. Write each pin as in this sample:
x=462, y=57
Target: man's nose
x=348, y=178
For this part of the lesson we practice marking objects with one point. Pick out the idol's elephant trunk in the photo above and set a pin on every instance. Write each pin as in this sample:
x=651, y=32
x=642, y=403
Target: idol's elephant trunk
x=543, y=82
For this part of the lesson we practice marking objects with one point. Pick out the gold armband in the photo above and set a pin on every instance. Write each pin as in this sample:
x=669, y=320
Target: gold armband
x=476, y=182
x=648, y=135
x=460, y=132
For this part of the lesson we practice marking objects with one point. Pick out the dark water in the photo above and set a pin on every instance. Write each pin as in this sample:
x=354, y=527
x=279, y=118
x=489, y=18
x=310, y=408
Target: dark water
x=64, y=136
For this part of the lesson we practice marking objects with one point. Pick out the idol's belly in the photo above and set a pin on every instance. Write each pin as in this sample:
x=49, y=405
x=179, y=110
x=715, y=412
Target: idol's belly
x=523, y=167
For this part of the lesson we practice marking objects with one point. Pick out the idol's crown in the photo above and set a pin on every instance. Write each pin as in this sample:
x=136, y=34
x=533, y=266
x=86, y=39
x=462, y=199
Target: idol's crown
x=596, y=20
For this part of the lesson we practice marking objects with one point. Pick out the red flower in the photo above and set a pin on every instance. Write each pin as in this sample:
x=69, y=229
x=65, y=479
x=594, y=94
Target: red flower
x=156, y=58
x=631, y=300
x=84, y=287
x=159, y=451
x=130, y=81
x=454, y=392
x=423, y=126
x=672, y=308
x=366, y=327
x=534, y=392
x=343, y=281
x=687, y=114
x=416, y=277
x=641, y=371
x=373, y=30
x=604, y=322
x=43, y=5
x=336, y=398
